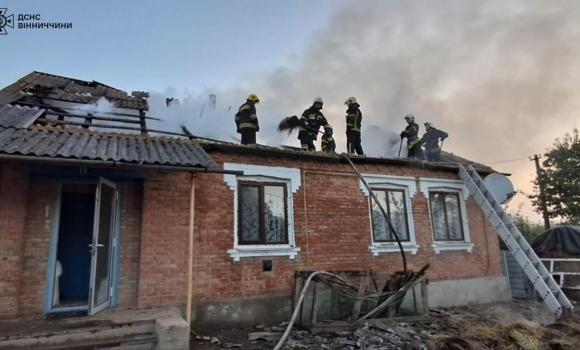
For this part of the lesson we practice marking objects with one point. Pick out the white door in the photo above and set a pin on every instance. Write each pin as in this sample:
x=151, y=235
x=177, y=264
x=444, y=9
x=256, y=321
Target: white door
x=101, y=289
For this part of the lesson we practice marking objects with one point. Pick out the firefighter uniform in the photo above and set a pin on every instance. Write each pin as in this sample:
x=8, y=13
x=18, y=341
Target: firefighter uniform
x=431, y=142
x=411, y=132
x=353, y=126
x=327, y=142
x=247, y=120
x=312, y=119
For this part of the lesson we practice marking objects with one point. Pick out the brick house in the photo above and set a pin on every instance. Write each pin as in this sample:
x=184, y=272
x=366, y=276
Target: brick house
x=260, y=213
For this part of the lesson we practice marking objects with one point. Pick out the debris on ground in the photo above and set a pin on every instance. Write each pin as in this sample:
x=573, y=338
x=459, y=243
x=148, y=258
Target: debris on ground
x=518, y=326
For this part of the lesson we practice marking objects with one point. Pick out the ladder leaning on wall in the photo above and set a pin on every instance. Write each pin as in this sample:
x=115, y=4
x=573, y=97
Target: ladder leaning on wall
x=523, y=253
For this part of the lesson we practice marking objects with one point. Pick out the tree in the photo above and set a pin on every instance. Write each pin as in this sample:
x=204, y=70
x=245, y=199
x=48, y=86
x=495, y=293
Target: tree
x=529, y=229
x=560, y=178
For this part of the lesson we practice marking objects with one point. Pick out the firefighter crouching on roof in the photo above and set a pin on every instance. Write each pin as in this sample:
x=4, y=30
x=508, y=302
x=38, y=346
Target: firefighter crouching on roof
x=353, y=126
x=327, y=143
x=431, y=142
x=411, y=132
x=312, y=119
x=247, y=120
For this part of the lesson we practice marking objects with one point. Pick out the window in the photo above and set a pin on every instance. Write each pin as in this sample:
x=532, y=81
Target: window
x=394, y=194
x=263, y=217
x=393, y=202
x=446, y=216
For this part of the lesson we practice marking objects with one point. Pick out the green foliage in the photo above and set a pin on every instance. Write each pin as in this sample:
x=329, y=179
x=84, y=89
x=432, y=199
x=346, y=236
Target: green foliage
x=560, y=177
x=529, y=229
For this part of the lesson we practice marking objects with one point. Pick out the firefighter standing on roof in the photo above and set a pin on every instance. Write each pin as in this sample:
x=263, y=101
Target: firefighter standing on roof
x=312, y=119
x=431, y=142
x=247, y=120
x=353, y=126
x=411, y=132
x=328, y=144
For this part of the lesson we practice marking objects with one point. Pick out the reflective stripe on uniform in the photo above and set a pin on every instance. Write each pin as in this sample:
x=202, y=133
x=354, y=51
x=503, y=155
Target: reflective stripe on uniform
x=244, y=107
x=253, y=116
x=247, y=126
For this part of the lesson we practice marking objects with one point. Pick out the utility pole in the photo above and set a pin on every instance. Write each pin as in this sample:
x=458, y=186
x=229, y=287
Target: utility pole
x=536, y=159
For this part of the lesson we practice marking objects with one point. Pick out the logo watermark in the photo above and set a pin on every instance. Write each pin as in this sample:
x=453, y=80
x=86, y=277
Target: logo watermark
x=5, y=21
x=27, y=21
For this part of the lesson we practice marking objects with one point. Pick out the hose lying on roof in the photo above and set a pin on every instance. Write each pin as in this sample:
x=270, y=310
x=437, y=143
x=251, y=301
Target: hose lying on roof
x=391, y=227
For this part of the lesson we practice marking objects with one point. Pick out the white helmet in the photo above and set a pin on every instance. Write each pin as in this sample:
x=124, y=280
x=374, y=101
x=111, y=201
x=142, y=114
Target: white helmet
x=317, y=99
x=430, y=124
x=411, y=117
x=328, y=127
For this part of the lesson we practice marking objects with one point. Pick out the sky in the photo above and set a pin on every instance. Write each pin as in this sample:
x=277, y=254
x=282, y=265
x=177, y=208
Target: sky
x=501, y=78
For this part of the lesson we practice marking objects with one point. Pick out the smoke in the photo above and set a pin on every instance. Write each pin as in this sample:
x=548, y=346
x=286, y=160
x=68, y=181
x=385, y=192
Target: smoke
x=100, y=107
x=497, y=76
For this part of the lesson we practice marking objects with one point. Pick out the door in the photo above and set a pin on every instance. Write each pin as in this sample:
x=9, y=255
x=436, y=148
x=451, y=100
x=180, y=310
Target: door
x=100, y=292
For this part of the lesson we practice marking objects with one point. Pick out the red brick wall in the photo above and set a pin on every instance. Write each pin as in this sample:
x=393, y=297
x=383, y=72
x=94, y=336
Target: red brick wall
x=337, y=239
x=338, y=233
x=41, y=201
x=132, y=202
x=13, y=204
x=164, y=239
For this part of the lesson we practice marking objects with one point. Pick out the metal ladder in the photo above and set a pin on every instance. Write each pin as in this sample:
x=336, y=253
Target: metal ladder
x=538, y=274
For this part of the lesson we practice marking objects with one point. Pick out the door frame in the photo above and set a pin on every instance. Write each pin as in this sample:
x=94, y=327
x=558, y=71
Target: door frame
x=93, y=308
x=54, y=230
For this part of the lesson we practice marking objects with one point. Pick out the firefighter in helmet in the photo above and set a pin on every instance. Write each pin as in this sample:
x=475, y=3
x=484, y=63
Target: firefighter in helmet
x=247, y=120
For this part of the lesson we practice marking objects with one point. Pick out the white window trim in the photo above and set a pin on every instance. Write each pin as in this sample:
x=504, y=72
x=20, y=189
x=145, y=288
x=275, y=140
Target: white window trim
x=450, y=186
x=409, y=186
x=259, y=173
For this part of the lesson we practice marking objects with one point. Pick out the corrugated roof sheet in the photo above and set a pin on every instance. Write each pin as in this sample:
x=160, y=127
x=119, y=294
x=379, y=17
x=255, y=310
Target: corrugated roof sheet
x=95, y=146
x=74, y=90
x=19, y=116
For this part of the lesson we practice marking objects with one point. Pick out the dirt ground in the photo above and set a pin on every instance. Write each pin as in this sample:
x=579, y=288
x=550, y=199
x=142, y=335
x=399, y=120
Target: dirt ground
x=513, y=325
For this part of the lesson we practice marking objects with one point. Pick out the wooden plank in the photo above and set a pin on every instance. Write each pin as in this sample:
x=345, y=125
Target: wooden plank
x=105, y=126
x=42, y=105
x=358, y=303
x=90, y=116
x=315, y=302
x=383, y=305
x=424, y=297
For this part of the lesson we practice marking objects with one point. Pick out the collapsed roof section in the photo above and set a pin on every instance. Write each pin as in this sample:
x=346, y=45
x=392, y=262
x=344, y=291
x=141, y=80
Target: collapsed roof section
x=71, y=90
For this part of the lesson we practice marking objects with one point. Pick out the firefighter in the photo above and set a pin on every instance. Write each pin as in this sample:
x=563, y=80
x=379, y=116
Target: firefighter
x=431, y=142
x=312, y=119
x=247, y=120
x=411, y=132
x=327, y=143
x=353, y=126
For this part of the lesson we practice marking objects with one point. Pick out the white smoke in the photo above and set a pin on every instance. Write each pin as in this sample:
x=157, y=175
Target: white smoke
x=100, y=107
x=211, y=118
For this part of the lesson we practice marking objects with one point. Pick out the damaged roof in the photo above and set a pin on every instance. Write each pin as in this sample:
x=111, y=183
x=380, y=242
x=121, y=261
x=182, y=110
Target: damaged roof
x=138, y=149
x=73, y=90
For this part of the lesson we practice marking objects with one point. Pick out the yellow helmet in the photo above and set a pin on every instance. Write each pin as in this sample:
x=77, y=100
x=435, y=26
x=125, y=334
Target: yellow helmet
x=254, y=98
x=349, y=101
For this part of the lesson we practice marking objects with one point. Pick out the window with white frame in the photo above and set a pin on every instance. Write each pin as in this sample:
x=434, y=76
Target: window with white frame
x=448, y=214
x=262, y=213
x=394, y=194
x=263, y=216
x=393, y=202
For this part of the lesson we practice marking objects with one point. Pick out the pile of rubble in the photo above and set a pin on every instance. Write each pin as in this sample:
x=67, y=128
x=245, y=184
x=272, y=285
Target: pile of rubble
x=525, y=326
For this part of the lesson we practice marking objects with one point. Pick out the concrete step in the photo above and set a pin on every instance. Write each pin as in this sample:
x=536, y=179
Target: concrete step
x=85, y=338
x=124, y=343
